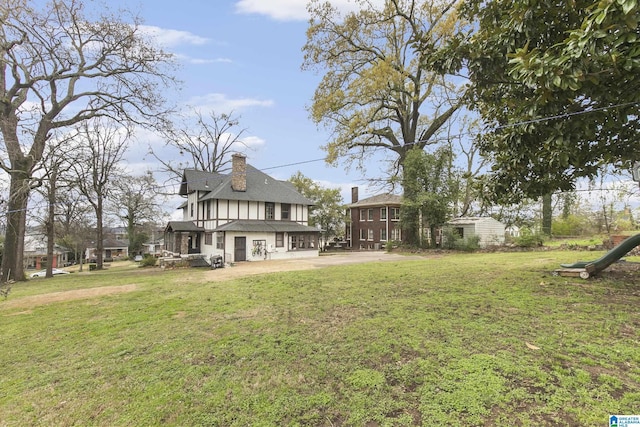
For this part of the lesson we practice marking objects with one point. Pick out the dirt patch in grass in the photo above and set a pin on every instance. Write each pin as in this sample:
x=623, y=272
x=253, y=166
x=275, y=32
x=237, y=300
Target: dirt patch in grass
x=249, y=268
x=624, y=271
x=77, y=294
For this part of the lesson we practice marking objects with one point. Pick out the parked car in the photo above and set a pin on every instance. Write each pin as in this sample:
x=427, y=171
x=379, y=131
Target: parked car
x=43, y=273
x=138, y=258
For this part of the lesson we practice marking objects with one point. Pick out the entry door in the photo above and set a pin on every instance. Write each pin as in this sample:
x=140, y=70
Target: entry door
x=240, y=249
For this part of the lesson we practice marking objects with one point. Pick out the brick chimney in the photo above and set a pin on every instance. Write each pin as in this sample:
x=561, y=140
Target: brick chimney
x=238, y=172
x=354, y=194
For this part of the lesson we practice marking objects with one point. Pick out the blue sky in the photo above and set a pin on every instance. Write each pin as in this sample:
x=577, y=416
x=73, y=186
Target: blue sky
x=246, y=56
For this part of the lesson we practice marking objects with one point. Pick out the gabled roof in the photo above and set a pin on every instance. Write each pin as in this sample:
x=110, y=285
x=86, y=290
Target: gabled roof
x=197, y=180
x=260, y=187
x=468, y=220
x=378, y=200
x=182, y=226
x=37, y=243
x=251, y=225
x=110, y=243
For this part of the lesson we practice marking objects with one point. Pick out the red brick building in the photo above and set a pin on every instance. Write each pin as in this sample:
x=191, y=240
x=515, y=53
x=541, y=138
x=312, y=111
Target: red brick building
x=373, y=221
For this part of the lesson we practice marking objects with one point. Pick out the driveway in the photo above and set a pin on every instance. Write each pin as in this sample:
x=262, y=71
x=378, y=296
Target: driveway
x=271, y=266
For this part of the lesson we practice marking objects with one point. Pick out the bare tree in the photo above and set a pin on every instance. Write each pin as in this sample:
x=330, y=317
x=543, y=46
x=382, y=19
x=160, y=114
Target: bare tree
x=136, y=201
x=60, y=66
x=101, y=149
x=471, y=164
x=75, y=222
x=54, y=165
x=204, y=144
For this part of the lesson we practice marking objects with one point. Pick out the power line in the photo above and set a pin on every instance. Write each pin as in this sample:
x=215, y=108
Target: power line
x=448, y=138
x=294, y=164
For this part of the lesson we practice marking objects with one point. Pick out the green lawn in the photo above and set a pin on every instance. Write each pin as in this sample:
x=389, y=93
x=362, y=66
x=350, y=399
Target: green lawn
x=456, y=340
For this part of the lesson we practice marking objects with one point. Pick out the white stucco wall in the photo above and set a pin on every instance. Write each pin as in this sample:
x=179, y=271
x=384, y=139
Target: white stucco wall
x=269, y=250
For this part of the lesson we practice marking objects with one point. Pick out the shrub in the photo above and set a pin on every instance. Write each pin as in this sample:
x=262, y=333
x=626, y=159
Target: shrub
x=469, y=244
x=528, y=238
x=148, y=261
x=452, y=240
x=388, y=246
x=572, y=225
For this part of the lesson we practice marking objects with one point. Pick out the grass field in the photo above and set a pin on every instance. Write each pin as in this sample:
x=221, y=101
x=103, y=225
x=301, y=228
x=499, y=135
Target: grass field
x=456, y=340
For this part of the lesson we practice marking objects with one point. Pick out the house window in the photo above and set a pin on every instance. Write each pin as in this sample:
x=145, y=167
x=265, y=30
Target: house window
x=219, y=241
x=285, y=211
x=370, y=214
x=363, y=214
x=303, y=241
x=395, y=234
x=370, y=234
x=191, y=210
x=395, y=214
x=208, y=238
x=208, y=209
x=459, y=231
x=363, y=234
x=269, y=210
x=383, y=234
x=279, y=240
x=383, y=213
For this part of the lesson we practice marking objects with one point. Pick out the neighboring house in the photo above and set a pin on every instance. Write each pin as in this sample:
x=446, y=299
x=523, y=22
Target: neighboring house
x=114, y=247
x=491, y=231
x=373, y=221
x=153, y=247
x=116, y=233
x=241, y=216
x=35, y=253
x=512, y=231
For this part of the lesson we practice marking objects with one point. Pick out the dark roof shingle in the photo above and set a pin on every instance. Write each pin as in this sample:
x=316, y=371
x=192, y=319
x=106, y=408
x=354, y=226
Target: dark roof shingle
x=378, y=200
x=182, y=226
x=260, y=187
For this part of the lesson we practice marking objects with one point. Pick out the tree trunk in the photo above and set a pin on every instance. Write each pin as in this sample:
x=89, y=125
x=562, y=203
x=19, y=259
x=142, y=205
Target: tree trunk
x=131, y=233
x=99, y=235
x=546, y=214
x=13, y=258
x=51, y=212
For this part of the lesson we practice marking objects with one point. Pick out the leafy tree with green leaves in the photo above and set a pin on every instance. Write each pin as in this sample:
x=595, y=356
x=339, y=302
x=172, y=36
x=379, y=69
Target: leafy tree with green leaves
x=558, y=82
x=377, y=93
x=327, y=212
x=429, y=193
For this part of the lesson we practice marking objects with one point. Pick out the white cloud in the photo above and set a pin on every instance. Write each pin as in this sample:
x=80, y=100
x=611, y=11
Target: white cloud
x=253, y=142
x=281, y=10
x=290, y=10
x=210, y=61
x=200, y=61
x=220, y=103
x=170, y=38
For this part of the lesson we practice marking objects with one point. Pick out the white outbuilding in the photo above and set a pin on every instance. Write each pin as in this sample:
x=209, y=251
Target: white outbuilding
x=490, y=231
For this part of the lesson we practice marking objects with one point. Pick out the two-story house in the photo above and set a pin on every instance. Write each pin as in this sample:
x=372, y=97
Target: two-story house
x=241, y=216
x=373, y=221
